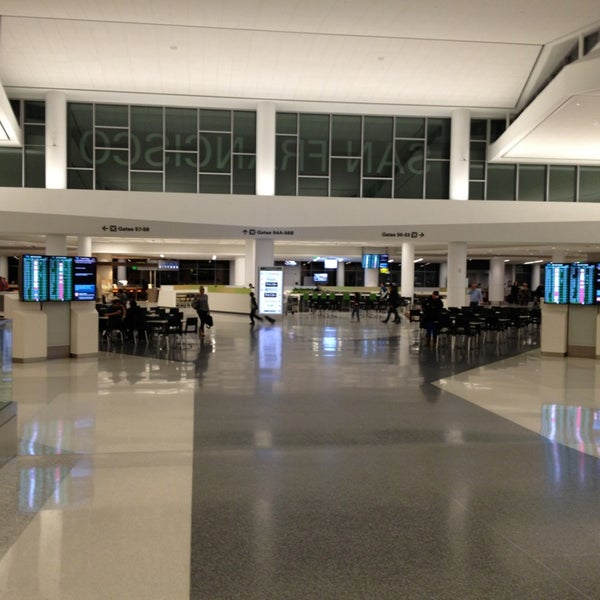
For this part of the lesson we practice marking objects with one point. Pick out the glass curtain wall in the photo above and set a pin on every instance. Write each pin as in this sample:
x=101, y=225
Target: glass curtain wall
x=525, y=182
x=197, y=150
x=161, y=149
x=362, y=156
x=26, y=166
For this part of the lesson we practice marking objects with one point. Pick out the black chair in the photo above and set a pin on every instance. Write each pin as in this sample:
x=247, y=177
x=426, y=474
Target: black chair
x=114, y=325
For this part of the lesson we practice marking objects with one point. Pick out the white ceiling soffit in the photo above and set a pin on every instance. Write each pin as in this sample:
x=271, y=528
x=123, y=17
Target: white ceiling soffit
x=10, y=132
x=562, y=125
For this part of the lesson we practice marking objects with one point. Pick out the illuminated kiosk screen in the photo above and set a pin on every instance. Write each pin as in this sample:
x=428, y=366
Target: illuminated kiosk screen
x=597, y=293
x=582, y=281
x=556, y=283
x=60, y=278
x=270, y=290
x=33, y=284
x=320, y=277
x=84, y=278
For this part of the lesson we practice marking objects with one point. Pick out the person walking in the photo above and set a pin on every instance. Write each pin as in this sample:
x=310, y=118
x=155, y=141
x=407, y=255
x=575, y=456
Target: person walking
x=355, y=307
x=393, y=302
x=200, y=305
x=254, y=310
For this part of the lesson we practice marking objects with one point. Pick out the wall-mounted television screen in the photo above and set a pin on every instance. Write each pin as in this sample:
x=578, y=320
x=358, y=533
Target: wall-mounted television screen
x=33, y=278
x=84, y=278
x=582, y=283
x=556, y=283
x=60, y=278
x=320, y=277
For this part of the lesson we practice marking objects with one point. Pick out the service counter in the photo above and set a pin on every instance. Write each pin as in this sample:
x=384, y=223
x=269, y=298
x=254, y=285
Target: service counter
x=43, y=330
x=221, y=298
x=570, y=330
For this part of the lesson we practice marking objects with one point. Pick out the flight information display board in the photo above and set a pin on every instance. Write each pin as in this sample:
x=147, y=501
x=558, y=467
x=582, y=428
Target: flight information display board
x=582, y=283
x=556, y=283
x=34, y=278
x=84, y=278
x=60, y=278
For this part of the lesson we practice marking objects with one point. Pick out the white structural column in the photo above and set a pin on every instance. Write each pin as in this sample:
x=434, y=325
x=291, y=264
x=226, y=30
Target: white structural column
x=4, y=266
x=265, y=149
x=496, y=284
x=56, y=245
x=535, y=276
x=56, y=140
x=371, y=277
x=238, y=271
x=84, y=245
x=340, y=275
x=459, y=190
x=457, y=274
x=407, y=277
x=459, y=154
x=259, y=253
x=443, y=282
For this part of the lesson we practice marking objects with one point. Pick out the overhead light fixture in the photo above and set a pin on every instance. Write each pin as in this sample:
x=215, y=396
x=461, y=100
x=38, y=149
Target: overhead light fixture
x=417, y=260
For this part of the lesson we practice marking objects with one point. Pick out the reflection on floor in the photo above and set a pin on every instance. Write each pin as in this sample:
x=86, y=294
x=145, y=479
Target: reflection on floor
x=315, y=458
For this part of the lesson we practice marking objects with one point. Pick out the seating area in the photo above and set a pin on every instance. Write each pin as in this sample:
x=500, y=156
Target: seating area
x=153, y=325
x=473, y=326
x=331, y=302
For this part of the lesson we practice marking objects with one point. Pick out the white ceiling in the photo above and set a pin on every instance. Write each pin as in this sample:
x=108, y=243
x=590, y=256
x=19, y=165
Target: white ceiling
x=388, y=56
x=422, y=53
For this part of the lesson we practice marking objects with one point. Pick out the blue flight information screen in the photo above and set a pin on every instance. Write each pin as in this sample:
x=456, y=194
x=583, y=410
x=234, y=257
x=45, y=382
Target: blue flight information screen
x=582, y=283
x=556, y=283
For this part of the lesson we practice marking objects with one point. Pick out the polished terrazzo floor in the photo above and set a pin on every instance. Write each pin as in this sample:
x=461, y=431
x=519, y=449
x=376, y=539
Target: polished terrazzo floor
x=315, y=458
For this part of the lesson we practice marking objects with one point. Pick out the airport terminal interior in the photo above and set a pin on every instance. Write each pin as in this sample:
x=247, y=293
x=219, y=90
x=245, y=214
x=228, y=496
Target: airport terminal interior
x=320, y=456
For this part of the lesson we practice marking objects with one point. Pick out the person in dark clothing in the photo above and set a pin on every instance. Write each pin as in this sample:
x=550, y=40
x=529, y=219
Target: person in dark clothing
x=393, y=303
x=355, y=306
x=254, y=310
x=135, y=320
x=200, y=305
x=432, y=309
